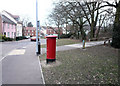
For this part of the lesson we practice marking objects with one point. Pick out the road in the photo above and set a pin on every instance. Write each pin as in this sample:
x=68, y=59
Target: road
x=20, y=65
x=9, y=46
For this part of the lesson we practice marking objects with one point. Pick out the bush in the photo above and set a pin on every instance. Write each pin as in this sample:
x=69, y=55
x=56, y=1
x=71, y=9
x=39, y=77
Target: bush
x=4, y=38
x=20, y=38
x=65, y=36
x=1, y=40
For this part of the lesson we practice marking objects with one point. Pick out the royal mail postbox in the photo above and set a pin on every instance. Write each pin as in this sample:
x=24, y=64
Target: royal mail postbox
x=51, y=48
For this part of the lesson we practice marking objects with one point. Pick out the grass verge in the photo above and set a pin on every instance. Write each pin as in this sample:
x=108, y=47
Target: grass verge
x=95, y=65
x=60, y=42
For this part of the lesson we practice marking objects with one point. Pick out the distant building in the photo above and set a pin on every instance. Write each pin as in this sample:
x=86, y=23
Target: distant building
x=66, y=30
x=44, y=31
x=29, y=31
x=54, y=30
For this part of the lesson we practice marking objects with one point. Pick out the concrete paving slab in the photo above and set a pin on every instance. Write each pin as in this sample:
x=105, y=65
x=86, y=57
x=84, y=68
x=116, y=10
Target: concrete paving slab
x=22, y=69
x=74, y=46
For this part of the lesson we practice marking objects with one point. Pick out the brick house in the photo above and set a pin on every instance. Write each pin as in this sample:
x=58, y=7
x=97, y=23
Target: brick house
x=29, y=31
x=53, y=30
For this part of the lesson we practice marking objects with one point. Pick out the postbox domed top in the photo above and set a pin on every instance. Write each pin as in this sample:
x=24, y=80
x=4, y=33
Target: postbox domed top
x=51, y=36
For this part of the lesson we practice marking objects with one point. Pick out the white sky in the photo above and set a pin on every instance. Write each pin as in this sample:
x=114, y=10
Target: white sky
x=28, y=8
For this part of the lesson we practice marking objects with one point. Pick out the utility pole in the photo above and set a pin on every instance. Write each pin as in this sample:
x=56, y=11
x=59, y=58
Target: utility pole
x=37, y=26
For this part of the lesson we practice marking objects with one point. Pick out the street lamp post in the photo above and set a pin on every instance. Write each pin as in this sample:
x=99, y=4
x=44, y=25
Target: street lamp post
x=37, y=26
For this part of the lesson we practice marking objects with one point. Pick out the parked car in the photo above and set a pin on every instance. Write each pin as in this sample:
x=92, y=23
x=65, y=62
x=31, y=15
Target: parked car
x=27, y=37
x=33, y=38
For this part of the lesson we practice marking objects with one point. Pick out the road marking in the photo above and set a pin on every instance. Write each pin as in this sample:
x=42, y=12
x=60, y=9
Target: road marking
x=14, y=53
x=41, y=71
x=3, y=57
x=17, y=52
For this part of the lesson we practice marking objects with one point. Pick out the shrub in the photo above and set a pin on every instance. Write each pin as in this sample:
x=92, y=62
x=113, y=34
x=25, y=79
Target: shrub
x=1, y=40
x=4, y=38
x=20, y=38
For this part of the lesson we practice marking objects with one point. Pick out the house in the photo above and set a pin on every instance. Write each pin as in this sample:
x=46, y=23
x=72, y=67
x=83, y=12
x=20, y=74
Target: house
x=0, y=25
x=50, y=31
x=43, y=30
x=19, y=29
x=18, y=23
x=29, y=31
x=66, y=30
x=54, y=30
x=8, y=27
x=16, y=19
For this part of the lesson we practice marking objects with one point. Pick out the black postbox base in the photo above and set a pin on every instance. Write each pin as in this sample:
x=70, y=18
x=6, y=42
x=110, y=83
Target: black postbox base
x=50, y=60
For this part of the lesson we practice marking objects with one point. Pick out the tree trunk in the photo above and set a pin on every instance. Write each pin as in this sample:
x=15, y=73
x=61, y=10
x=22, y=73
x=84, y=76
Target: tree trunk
x=97, y=34
x=83, y=34
x=116, y=29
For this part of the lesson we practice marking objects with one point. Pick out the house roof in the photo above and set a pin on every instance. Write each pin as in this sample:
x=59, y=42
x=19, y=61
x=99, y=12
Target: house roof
x=7, y=20
x=14, y=16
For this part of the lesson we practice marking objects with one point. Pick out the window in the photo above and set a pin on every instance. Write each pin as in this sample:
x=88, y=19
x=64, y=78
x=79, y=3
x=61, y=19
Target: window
x=28, y=30
x=12, y=26
x=8, y=34
x=12, y=34
x=18, y=33
x=8, y=26
x=32, y=30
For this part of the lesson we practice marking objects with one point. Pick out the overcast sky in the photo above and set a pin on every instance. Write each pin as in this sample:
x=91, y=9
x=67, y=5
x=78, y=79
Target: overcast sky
x=28, y=8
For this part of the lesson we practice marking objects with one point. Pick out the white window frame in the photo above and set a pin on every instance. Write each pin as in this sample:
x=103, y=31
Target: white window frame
x=8, y=34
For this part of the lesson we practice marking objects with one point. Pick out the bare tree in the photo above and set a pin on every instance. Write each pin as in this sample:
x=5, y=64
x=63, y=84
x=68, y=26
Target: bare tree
x=25, y=20
x=116, y=26
x=56, y=18
x=69, y=12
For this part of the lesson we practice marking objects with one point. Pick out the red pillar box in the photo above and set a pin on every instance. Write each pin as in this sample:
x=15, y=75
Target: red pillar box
x=51, y=48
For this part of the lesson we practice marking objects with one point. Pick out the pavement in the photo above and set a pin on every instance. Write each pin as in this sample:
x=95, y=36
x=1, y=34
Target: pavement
x=24, y=66
x=74, y=46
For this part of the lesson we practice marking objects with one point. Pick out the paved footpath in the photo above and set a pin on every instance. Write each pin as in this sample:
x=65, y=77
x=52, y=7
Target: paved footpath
x=22, y=66
x=75, y=46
